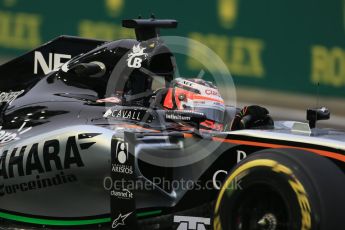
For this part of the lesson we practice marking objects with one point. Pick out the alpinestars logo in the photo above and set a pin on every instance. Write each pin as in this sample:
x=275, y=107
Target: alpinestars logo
x=120, y=220
x=191, y=223
x=135, y=58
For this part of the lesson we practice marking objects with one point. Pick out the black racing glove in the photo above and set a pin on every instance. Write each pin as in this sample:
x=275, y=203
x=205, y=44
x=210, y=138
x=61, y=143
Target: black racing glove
x=252, y=116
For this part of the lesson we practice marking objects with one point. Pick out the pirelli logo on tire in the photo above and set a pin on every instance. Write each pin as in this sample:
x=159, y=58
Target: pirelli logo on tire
x=293, y=182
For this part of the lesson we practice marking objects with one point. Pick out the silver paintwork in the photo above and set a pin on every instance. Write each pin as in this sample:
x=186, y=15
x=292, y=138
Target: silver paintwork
x=87, y=197
x=83, y=198
x=283, y=131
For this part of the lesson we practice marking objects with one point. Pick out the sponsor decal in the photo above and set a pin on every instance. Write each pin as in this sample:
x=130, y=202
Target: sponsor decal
x=55, y=61
x=27, y=157
x=122, y=152
x=211, y=92
x=41, y=158
x=216, y=182
x=192, y=223
x=184, y=115
x=121, y=156
x=127, y=114
x=187, y=83
x=122, y=198
x=188, y=103
x=241, y=155
x=135, y=58
x=199, y=102
x=208, y=104
x=108, y=113
x=37, y=183
x=6, y=136
x=172, y=116
x=9, y=97
x=204, y=90
x=124, y=194
x=120, y=220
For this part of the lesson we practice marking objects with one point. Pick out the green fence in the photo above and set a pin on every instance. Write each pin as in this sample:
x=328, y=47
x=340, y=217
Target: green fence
x=289, y=45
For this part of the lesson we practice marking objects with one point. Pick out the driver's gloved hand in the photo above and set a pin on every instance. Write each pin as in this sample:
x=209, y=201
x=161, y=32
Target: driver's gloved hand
x=252, y=116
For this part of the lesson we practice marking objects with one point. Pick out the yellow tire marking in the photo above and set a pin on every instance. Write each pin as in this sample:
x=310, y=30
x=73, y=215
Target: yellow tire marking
x=251, y=164
x=279, y=168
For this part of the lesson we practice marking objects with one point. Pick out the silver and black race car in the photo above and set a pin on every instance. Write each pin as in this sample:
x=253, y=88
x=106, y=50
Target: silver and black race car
x=88, y=141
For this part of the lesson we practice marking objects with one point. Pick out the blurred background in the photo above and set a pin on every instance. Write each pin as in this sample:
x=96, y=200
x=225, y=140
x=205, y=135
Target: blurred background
x=287, y=55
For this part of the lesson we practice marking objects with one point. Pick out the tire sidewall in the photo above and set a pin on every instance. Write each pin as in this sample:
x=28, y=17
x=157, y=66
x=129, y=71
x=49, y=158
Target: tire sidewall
x=290, y=174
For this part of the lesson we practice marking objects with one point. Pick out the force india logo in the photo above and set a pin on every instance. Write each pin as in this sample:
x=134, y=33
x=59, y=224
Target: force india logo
x=54, y=62
x=41, y=158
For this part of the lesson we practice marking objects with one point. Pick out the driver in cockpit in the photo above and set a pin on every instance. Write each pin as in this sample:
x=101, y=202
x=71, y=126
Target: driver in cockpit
x=202, y=96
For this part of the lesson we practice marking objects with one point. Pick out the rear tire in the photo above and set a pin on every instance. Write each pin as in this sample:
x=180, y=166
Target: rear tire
x=282, y=190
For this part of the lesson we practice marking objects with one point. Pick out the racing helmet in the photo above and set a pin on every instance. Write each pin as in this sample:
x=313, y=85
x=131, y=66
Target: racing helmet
x=197, y=95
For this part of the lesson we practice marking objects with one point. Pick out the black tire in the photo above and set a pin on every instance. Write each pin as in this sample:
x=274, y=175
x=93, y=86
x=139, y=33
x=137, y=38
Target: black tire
x=282, y=190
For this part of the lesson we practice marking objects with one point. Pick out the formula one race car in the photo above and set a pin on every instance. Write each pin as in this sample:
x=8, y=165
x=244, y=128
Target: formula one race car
x=102, y=135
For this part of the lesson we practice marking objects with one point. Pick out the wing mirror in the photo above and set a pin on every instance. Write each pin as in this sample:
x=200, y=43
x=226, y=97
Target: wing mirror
x=93, y=69
x=317, y=114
